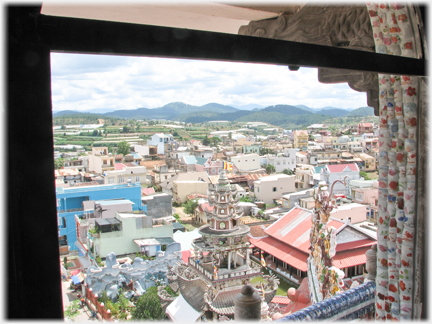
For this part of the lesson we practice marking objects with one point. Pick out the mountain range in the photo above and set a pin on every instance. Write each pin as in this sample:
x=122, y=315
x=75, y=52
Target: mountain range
x=276, y=115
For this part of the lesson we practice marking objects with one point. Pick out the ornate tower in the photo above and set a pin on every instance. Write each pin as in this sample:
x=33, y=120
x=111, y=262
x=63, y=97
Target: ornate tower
x=219, y=265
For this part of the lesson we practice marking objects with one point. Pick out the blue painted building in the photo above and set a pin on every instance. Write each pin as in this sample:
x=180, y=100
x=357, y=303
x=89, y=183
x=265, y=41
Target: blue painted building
x=70, y=203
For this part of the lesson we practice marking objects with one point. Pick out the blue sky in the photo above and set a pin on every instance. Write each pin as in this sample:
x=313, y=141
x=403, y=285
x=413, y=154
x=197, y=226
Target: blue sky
x=85, y=82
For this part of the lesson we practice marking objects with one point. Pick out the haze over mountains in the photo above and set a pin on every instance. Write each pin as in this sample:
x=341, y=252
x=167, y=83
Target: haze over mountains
x=276, y=115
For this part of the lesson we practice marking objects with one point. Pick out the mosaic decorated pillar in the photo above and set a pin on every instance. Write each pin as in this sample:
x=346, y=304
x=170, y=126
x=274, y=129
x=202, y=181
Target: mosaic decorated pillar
x=396, y=32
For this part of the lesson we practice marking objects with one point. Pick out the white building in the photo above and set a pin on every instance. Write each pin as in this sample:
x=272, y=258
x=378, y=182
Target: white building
x=269, y=189
x=100, y=161
x=246, y=162
x=126, y=174
x=280, y=162
x=164, y=143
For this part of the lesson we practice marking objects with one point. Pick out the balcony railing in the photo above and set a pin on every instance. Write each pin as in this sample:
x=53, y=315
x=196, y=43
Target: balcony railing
x=210, y=275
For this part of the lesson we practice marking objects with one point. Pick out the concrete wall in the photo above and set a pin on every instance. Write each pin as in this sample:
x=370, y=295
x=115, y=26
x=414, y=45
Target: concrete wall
x=246, y=162
x=269, y=188
x=356, y=212
x=158, y=205
x=183, y=188
x=121, y=242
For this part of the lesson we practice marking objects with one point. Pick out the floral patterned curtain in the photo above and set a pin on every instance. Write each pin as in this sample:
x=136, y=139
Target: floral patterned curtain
x=395, y=32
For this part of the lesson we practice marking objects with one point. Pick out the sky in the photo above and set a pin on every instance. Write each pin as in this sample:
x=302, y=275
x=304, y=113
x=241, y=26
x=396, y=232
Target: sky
x=86, y=82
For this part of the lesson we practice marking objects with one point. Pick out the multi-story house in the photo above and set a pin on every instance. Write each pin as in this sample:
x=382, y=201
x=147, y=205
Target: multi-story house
x=269, y=189
x=126, y=174
x=331, y=173
x=328, y=157
x=81, y=163
x=355, y=147
x=364, y=128
x=304, y=177
x=70, y=203
x=202, y=151
x=68, y=176
x=100, y=161
x=129, y=233
x=301, y=139
x=368, y=163
x=251, y=148
x=302, y=158
x=290, y=200
x=164, y=143
x=279, y=161
x=162, y=173
x=181, y=189
x=142, y=150
x=246, y=162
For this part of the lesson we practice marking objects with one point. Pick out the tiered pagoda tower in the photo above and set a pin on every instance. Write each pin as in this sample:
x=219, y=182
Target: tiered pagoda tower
x=219, y=265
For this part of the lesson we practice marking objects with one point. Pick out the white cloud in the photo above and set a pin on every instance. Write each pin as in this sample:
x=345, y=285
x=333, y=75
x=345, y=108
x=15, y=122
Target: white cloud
x=85, y=82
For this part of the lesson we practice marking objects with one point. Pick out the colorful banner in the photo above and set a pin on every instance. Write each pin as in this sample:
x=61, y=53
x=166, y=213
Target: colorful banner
x=215, y=272
x=263, y=263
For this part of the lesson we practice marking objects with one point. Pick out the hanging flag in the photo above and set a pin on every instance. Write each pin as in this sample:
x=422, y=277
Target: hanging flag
x=230, y=166
x=192, y=253
x=215, y=272
x=225, y=165
x=263, y=263
x=262, y=289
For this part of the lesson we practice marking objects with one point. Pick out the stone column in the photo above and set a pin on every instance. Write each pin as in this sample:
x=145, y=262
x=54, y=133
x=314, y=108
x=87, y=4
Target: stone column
x=247, y=305
x=229, y=260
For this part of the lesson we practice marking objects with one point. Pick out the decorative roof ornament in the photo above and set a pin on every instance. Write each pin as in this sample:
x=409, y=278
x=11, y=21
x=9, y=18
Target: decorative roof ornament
x=324, y=279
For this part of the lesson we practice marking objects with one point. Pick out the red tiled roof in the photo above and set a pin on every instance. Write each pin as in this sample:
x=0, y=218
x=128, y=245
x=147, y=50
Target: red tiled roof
x=281, y=300
x=282, y=251
x=341, y=167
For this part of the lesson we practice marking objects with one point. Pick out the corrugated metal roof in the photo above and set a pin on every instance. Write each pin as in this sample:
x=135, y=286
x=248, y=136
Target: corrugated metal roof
x=350, y=258
x=282, y=251
x=294, y=228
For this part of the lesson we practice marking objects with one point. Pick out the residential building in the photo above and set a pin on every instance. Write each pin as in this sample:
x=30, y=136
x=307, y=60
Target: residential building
x=200, y=212
x=161, y=173
x=368, y=163
x=126, y=173
x=157, y=205
x=142, y=150
x=302, y=158
x=187, y=163
x=328, y=156
x=280, y=161
x=331, y=173
x=301, y=139
x=292, y=199
x=68, y=176
x=202, y=151
x=355, y=147
x=353, y=213
x=181, y=189
x=167, y=185
x=81, y=163
x=129, y=233
x=271, y=188
x=70, y=203
x=246, y=162
x=99, y=209
x=317, y=127
x=304, y=177
x=251, y=148
x=100, y=160
x=164, y=143
x=364, y=128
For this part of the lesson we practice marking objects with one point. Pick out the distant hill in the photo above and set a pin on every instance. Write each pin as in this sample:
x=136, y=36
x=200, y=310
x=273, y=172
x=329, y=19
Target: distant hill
x=276, y=115
x=250, y=107
x=362, y=112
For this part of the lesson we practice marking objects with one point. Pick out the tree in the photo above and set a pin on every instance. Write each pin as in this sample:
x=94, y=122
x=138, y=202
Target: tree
x=364, y=175
x=205, y=141
x=126, y=129
x=58, y=163
x=123, y=148
x=246, y=198
x=63, y=127
x=148, y=306
x=189, y=206
x=270, y=169
x=73, y=310
x=287, y=171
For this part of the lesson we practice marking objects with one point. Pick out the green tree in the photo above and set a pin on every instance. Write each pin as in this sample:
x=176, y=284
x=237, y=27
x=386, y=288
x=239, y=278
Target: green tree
x=287, y=171
x=189, y=206
x=63, y=127
x=205, y=141
x=72, y=310
x=58, y=163
x=246, y=199
x=123, y=148
x=364, y=175
x=148, y=307
x=126, y=129
x=270, y=169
